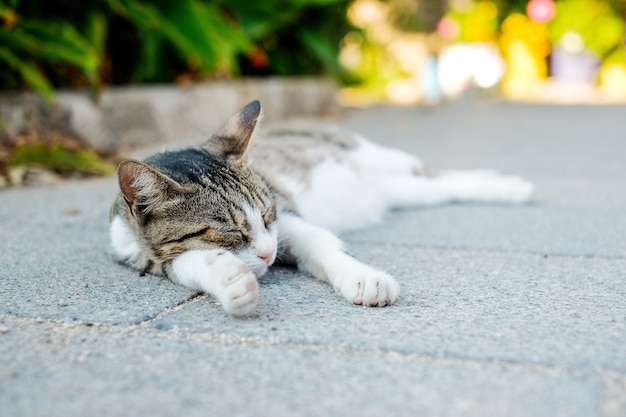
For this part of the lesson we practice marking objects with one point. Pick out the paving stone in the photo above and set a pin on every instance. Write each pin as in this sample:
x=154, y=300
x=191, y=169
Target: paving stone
x=78, y=371
x=57, y=263
x=506, y=228
x=557, y=311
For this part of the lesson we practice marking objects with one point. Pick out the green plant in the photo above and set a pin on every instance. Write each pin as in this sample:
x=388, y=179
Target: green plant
x=30, y=44
x=200, y=34
x=48, y=44
x=60, y=158
x=296, y=37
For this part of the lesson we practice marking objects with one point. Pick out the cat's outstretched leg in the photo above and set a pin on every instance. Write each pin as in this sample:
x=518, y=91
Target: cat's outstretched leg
x=404, y=182
x=454, y=186
x=221, y=274
x=320, y=253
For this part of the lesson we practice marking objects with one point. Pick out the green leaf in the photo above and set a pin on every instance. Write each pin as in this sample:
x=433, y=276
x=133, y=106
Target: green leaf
x=57, y=43
x=10, y=3
x=29, y=72
x=96, y=31
x=151, y=64
x=260, y=19
x=148, y=18
x=198, y=31
x=215, y=41
x=324, y=50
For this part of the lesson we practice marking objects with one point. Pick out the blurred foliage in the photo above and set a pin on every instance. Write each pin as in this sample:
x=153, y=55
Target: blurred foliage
x=397, y=52
x=477, y=23
x=63, y=43
x=27, y=45
x=46, y=44
x=601, y=28
x=416, y=16
x=599, y=22
x=52, y=154
x=62, y=159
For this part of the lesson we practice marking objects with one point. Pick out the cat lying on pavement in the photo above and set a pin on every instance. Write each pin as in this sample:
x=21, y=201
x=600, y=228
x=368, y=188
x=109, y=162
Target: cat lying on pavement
x=217, y=216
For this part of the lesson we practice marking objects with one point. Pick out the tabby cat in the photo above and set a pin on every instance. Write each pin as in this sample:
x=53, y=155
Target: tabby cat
x=215, y=217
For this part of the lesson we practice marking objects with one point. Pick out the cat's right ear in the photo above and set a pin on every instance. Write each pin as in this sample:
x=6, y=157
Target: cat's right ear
x=232, y=140
x=144, y=188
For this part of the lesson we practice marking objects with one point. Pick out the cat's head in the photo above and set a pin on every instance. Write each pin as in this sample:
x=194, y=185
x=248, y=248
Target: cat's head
x=204, y=198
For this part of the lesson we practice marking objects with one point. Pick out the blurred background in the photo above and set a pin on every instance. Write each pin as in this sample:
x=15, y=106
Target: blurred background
x=403, y=52
x=398, y=51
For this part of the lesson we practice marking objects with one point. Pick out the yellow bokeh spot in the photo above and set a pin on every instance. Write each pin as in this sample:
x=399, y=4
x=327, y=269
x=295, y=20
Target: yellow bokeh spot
x=525, y=46
x=613, y=81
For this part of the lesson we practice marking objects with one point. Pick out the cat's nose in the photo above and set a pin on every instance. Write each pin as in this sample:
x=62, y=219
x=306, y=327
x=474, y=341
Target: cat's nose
x=266, y=257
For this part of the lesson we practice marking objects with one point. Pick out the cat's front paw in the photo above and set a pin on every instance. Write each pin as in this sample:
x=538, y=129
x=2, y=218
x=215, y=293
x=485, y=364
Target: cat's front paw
x=369, y=287
x=237, y=287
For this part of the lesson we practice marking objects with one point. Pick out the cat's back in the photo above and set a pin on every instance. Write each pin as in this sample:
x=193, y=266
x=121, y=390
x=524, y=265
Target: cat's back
x=296, y=148
x=322, y=171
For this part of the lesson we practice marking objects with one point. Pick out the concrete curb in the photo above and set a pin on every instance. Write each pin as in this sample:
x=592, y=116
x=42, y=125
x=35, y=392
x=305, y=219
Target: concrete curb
x=132, y=116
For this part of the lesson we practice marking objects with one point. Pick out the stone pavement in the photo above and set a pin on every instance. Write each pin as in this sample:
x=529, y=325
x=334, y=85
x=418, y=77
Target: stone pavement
x=504, y=310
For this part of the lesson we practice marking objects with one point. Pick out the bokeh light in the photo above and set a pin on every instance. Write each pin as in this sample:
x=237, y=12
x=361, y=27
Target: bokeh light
x=539, y=50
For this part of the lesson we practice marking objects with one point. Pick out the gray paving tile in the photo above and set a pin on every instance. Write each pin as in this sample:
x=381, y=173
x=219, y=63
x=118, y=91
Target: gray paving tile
x=542, y=142
x=535, y=228
x=78, y=371
x=559, y=311
x=56, y=260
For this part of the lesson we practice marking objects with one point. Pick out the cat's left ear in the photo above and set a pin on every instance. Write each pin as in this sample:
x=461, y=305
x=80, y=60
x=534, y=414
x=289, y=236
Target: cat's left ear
x=144, y=188
x=232, y=140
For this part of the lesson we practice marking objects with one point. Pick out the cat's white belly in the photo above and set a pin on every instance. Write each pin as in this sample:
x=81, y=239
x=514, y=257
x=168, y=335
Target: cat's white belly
x=339, y=197
x=349, y=192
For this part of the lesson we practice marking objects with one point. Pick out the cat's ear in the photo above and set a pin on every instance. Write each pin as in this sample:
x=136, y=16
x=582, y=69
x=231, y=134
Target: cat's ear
x=232, y=140
x=144, y=188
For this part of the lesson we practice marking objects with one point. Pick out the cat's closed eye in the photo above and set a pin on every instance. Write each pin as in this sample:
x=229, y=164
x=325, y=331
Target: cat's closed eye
x=269, y=217
x=239, y=234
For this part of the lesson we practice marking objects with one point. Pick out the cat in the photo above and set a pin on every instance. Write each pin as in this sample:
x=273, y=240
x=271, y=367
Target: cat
x=215, y=217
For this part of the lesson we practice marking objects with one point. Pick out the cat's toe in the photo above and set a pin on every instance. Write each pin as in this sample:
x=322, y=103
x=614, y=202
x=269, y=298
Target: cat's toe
x=239, y=292
x=375, y=289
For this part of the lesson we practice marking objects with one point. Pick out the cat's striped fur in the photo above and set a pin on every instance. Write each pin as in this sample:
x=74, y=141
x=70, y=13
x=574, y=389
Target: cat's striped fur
x=210, y=217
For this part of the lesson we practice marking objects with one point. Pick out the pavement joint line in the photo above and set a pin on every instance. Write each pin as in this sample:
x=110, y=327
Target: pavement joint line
x=355, y=243
x=186, y=302
x=612, y=378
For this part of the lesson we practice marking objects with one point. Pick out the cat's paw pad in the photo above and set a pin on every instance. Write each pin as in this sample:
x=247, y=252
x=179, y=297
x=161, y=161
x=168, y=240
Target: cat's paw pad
x=370, y=288
x=238, y=288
